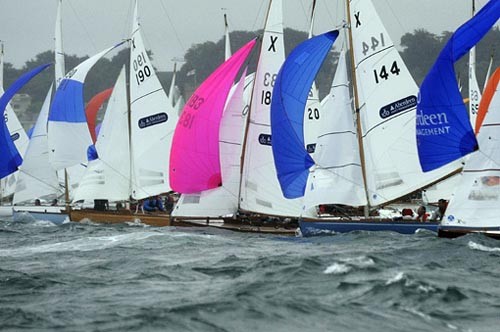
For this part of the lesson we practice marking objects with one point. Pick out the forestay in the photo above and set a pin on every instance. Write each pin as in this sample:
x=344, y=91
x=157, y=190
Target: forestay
x=444, y=133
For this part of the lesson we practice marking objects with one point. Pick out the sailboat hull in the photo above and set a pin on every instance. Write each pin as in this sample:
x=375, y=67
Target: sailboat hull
x=55, y=214
x=328, y=227
x=119, y=217
x=451, y=232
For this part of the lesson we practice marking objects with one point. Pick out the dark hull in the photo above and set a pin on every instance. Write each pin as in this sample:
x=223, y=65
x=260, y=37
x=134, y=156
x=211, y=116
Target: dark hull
x=325, y=227
x=243, y=225
x=453, y=232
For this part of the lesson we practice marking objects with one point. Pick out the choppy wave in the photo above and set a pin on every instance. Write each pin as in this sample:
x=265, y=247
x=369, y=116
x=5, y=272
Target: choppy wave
x=83, y=277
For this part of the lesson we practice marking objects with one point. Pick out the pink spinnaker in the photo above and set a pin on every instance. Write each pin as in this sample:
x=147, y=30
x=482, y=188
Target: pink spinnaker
x=195, y=155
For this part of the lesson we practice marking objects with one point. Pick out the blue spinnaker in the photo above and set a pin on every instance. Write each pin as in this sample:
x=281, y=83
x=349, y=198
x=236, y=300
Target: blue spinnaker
x=10, y=158
x=290, y=92
x=444, y=132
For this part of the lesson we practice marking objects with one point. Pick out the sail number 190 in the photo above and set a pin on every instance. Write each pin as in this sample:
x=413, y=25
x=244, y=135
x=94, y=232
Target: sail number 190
x=141, y=69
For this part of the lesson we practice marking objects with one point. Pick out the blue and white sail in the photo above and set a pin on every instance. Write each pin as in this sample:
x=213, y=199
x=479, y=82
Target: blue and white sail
x=444, y=132
x=290, y=93
x=69, y=135
x=11, y=159
x=17, y=133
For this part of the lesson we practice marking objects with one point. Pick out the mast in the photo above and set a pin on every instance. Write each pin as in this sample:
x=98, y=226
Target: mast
x=313, y=13
x=228, y=41
x=247, y=125
x=60, y=72
x=356, y=106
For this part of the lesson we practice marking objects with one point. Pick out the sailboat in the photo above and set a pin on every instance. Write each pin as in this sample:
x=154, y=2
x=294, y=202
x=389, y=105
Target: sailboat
x=474, y=208
x=385, y=98
x=223, y=200
x=20, y=140
x=11, y=158
x=139, y=168
x=474, y=205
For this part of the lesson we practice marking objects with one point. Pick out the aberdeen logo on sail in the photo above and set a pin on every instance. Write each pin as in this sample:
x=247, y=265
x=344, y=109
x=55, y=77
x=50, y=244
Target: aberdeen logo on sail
x=152, y=120
x=398, y=107
x=15, y=137
x=265, y=139
x=432, y=124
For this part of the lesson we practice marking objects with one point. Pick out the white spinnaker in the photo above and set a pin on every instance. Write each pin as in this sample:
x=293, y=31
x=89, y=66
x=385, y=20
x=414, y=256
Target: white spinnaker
x=37, y=178
x=108, y=177
x=477, y=198
x=153, y=121
x=260, y=190
x=337, y=177
x=474, y=91
x=69, y=140
x=387, y=101
x=223, y=200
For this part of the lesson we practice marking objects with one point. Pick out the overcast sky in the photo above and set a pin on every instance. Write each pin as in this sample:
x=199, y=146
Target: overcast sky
x=170, y=27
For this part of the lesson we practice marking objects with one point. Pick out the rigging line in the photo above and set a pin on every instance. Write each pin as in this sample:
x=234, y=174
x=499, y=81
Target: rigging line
x=40, y=180
x=403, y=29
x=127, y=22
x=84, y=28
x=173, y=27
x=258, y=16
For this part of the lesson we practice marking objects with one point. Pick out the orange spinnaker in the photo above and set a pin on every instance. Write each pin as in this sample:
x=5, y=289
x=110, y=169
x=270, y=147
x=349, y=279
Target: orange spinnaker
x=488, y=93
x=93, y=107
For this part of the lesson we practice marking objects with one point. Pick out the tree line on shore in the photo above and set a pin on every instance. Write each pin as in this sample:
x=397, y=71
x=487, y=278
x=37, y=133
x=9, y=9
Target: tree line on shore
x=419, y=49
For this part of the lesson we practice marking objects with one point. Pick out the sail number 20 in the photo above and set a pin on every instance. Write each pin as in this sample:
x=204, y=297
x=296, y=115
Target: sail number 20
x=266, y=95
x=141, y=69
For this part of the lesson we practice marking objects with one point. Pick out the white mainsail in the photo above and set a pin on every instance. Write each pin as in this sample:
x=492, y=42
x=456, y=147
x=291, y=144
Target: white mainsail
x=60, y=66
x=387, y=102
x=337, y=177
x=108, y=177
x=477, y=197
x=153, y=121
x=260, y=191
x=36, y=178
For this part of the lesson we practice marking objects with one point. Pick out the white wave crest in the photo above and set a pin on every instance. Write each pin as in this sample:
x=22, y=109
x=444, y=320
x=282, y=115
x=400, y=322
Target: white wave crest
x=398, y=277
x=337, y=268
x=83, y=244
x=360, y=261
x=476, y=246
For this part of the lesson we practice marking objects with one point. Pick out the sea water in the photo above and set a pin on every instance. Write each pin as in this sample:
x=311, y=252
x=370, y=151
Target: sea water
x=86, y=277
